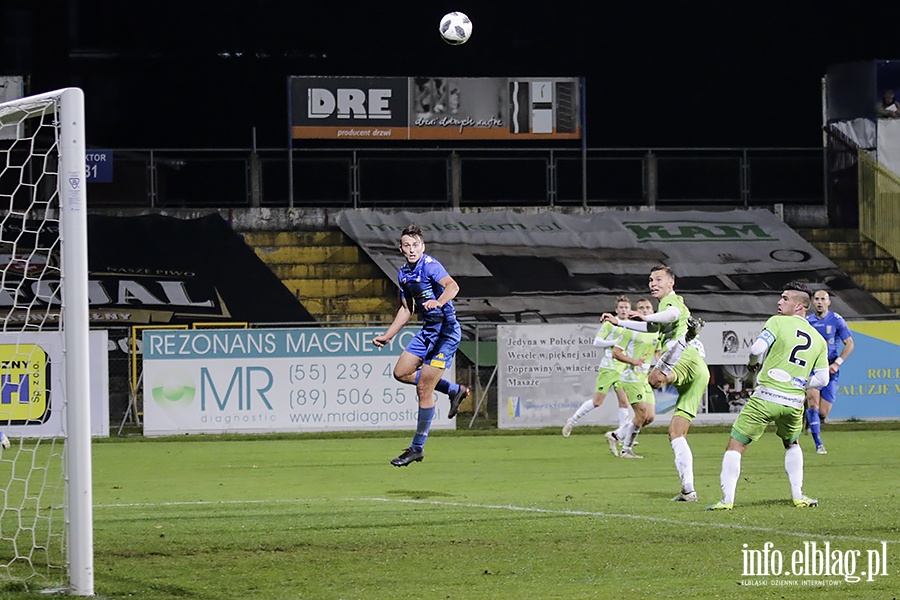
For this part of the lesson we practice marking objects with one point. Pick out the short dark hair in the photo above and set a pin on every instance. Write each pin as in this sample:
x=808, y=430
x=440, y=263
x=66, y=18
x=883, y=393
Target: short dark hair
x=413, y=230
x=662, y=267
x=798, y=286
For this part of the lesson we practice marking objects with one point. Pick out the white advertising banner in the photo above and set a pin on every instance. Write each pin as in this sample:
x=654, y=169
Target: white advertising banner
x=728, y=342
x=694, y=243
x=33, y=391
x=545, y=372
x=269, y=380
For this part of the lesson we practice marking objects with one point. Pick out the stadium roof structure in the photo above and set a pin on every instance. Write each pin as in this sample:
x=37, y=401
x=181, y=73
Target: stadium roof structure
x=549, y=267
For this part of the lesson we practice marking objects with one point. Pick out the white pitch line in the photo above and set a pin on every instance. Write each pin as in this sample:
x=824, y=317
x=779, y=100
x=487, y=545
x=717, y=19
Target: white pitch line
x=507, y=507
x=588, y=513
x=207, y=503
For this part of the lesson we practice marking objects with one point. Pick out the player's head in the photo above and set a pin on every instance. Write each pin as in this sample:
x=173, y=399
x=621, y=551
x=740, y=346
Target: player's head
x=662, y=281
x=412, y=243
x=822, y=300
x=623, y=305
x=644, y=306
x=794, y=299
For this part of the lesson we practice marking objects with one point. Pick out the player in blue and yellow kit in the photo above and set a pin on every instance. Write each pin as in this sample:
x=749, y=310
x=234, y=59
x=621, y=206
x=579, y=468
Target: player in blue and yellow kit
x=428, y=290
x=832, y=327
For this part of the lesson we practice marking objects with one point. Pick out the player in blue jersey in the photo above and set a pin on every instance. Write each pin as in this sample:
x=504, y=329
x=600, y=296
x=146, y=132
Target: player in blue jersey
x=428, y=290
x=832, y=327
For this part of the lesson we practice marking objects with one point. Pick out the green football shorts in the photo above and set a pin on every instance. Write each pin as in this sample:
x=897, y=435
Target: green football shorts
x=606, y=379
x=638, y=392
x=691, y=381
x=756, y=416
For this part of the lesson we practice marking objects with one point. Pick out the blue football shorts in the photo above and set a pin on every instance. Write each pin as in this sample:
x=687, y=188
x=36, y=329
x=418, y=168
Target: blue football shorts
x=436, y=343
x=829, y=392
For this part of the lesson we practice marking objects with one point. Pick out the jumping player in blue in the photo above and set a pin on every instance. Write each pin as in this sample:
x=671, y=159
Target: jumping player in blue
x=427, y=289
x=832, y=327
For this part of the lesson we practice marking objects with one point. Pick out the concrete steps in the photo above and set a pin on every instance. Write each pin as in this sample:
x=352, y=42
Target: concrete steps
x=868, y=265
x=890, y=299
x=334, y=279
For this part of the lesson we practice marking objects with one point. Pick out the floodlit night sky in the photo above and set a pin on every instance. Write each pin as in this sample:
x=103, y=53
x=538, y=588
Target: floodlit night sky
x=660, y=74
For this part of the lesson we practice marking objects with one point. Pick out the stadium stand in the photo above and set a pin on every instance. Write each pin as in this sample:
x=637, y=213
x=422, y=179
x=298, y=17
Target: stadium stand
x=328, y=273
x=862, y=260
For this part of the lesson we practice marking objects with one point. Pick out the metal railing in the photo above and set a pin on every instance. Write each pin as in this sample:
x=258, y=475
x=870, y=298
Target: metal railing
x=879, y=204
x=435, y=178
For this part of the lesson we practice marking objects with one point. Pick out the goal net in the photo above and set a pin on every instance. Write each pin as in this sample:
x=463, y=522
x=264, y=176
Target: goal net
x=46, y=530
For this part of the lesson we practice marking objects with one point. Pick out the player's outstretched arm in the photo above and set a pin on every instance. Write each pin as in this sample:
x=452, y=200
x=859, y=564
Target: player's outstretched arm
x=669, y=315
x=400, y=321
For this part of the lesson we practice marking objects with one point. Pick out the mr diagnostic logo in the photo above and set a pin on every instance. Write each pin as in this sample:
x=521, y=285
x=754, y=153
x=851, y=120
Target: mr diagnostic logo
x=241, y=388
x=173, y=391
x=24, y=384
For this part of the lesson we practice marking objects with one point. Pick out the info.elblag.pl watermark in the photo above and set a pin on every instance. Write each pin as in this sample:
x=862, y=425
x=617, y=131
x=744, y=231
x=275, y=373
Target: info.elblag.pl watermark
x=813, y=563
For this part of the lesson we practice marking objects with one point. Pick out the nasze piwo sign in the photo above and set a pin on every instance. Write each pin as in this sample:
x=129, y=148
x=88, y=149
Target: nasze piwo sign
x=435, y=108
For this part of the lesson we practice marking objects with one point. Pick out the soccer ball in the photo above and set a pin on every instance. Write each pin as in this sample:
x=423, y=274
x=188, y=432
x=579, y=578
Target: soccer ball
x=456, y=28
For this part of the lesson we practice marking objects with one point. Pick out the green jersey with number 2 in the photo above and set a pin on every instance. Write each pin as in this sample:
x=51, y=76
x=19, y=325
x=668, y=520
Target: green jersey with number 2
x=795, y=350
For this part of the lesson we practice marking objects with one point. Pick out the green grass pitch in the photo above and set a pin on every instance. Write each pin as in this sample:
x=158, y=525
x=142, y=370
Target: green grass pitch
x=518, y=515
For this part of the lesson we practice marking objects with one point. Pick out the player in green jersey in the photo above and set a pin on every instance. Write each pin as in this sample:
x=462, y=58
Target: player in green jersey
x=793, y=349
x=635, y=348
x=679, y=364
x=610, y=370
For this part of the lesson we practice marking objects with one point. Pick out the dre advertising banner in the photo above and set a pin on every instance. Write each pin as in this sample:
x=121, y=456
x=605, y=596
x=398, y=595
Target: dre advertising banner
x=435, y=108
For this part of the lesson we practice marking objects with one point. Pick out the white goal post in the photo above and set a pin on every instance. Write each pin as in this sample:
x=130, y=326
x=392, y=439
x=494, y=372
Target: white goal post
x=46, y=483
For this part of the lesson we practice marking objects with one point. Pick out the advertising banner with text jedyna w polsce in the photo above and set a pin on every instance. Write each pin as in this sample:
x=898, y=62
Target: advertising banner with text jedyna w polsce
x=545, y=372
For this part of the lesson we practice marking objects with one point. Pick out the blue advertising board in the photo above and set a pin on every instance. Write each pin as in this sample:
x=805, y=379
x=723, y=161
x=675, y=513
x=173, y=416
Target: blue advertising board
x=99, y=166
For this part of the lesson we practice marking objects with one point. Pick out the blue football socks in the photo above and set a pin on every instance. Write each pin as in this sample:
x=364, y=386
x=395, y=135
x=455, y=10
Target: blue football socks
x=444, y=386
x=815, y=425
x=426, y=415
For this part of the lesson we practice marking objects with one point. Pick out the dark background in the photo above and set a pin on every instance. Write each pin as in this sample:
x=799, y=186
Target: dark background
x=201, y=73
